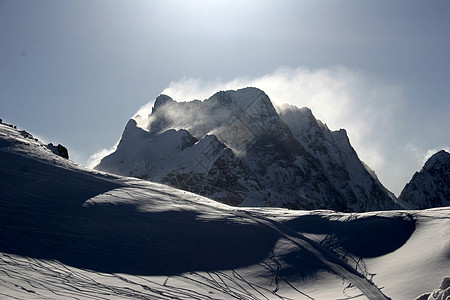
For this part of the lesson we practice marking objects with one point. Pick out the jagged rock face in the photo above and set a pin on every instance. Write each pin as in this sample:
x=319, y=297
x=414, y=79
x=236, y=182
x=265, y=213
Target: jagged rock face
x=241, y=151
x=206, y=166
x=227, y=180
x=340, y=163
x=431, y=186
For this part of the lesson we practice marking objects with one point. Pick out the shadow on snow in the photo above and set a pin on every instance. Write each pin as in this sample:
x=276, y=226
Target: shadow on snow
x=364, y=237
x=42, y=216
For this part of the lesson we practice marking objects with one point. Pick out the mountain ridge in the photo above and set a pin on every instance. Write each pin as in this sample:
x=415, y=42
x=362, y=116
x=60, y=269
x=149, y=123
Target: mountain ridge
x=430, y=187
x=285, y=169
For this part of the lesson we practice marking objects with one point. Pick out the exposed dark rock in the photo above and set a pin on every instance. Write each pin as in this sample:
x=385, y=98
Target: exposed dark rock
x=59, y=150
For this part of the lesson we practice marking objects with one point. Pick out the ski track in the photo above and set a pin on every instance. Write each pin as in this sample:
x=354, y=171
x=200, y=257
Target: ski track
x=27, y=278
x=335, y=264
x=40, y=279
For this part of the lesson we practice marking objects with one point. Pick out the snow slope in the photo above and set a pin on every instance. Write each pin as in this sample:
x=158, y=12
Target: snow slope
x=67, y=232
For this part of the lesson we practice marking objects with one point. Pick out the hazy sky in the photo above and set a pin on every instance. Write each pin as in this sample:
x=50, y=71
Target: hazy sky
x=74, y=72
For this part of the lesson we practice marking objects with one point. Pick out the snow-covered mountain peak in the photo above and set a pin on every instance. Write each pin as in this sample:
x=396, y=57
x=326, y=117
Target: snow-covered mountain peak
x=134, y=134
x=161, y=100
x=337, y=157
x=241, y=98
x=301, y=120
x=236, y=117
x=438, y=160
x=289, y=108
x=431, y=186
x=298, y=119
x=239, y=149
x=131, y=125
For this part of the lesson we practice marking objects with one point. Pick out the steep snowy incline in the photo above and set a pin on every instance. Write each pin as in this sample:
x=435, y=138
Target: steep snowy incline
x=431, y=186
x=339, y=160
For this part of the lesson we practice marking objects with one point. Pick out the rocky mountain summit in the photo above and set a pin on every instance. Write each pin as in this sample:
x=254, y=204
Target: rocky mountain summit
x=237, y=148
x=431, y=186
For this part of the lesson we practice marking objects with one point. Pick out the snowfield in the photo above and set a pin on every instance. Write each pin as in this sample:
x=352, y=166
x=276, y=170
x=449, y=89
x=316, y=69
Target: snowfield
x=67, y=232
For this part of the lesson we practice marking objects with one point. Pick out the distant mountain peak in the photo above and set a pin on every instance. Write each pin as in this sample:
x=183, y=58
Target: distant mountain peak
x=438, y=159
x=161, y=100
x=431, y=186
x=250, y=100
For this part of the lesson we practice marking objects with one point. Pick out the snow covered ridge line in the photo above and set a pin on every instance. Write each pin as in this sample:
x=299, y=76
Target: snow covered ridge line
x=431, y=186
x=12, y=132
x=236, y=148
x=261, y=156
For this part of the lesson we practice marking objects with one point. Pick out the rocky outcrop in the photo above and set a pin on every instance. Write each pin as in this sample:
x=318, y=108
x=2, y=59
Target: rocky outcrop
x=59, y=150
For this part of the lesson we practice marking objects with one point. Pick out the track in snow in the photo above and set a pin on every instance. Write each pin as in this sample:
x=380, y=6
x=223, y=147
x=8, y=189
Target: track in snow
x=335, y=264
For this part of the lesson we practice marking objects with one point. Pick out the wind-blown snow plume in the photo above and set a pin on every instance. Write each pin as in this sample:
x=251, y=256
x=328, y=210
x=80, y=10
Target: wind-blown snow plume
x=95, y=158
x=340, y=97
x=431, y=152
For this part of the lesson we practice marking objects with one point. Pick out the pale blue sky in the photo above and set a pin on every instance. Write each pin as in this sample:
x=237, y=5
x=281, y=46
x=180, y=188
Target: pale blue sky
x=74, y=72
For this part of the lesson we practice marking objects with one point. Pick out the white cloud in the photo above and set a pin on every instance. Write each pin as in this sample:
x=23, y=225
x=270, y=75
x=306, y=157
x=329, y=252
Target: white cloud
x=145, y=110
x=95, y=158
